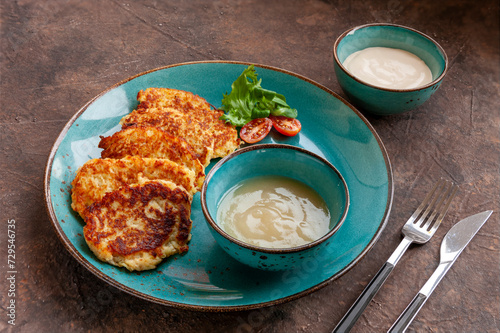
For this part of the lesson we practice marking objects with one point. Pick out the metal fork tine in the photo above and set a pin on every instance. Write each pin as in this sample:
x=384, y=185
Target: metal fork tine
x=445, y=209
x=445, y=191
x=424, y=203
x=435, y=195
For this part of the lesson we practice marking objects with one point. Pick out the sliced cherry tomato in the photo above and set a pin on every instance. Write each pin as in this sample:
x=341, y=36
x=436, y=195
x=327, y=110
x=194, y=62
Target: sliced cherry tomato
x=256, y=130
x=286, y=126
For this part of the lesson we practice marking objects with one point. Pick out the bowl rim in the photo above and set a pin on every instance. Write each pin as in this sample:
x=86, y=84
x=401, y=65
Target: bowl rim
x=428, y=85
x=268, y=250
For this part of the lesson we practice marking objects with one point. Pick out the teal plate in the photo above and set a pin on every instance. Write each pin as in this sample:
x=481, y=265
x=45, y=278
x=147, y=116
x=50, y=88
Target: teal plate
x=206, y=278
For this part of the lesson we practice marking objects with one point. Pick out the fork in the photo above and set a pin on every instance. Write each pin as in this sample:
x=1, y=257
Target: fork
x=419, y=228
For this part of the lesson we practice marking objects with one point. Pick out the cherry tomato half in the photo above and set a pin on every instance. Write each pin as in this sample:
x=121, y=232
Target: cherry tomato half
x=286, y=126
x=256, y=130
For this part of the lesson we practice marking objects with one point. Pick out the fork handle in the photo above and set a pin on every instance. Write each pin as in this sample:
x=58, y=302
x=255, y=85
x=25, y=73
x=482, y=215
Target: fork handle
x=350, y=318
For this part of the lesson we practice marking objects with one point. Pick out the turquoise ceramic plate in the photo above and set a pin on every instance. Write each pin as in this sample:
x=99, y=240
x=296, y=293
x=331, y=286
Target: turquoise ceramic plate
x=206, y=278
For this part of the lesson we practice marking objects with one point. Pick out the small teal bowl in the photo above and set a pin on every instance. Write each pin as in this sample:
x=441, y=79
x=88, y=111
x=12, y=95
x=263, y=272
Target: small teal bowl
x=279, y=160
x=383, y=101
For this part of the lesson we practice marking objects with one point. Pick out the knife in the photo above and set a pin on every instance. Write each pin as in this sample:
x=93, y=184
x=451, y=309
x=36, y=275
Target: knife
x=452, y=245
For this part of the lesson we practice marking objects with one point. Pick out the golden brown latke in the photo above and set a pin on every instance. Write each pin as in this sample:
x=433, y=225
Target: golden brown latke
x=151, y=142
x=137, y=226
x=177, y=99
x=188, y=116
x=100, y=176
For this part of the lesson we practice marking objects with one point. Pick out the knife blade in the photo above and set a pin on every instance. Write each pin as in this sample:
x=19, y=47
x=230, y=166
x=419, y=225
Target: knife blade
x=453, y=244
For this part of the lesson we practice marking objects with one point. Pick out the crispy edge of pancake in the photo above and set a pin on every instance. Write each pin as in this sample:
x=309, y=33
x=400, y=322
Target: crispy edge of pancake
x=226, y=140
x=152, y=142
x=137, y=226
x=99, y=176
x=168, y=97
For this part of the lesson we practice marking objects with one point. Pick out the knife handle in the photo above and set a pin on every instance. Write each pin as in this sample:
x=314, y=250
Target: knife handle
x=408, y=314
x=412, y=309
x=350, y=318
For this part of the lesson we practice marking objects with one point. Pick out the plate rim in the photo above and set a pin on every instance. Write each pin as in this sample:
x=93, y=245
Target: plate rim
x=211, y=308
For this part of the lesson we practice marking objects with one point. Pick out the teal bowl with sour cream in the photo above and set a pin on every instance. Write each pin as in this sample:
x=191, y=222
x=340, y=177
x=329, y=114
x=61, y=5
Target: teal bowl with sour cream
x=388, y=101
x=282, y=161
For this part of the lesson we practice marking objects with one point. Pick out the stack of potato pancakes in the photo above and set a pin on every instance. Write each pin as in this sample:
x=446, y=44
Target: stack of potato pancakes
x=136, y=199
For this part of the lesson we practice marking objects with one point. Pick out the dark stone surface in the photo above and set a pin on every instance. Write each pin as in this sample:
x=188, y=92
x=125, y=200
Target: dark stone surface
x=57, y=55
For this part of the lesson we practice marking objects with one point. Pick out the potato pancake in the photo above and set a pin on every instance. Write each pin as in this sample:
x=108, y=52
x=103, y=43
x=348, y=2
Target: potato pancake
x=137, y=226
x=100, y=176
x=188, y=116
x=152, y=142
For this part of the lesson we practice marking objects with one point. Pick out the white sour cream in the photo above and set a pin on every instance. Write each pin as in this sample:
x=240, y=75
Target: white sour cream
x=388, y=68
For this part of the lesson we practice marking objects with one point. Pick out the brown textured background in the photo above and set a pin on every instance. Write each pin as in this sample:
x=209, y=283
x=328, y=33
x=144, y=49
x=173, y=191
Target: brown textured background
x=56, y=55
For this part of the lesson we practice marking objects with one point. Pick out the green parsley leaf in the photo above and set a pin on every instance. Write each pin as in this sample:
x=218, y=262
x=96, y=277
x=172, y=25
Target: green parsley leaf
x=248, y=100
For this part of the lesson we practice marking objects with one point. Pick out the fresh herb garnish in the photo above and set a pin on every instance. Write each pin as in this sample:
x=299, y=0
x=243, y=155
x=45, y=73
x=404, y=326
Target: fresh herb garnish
x=248, y=100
